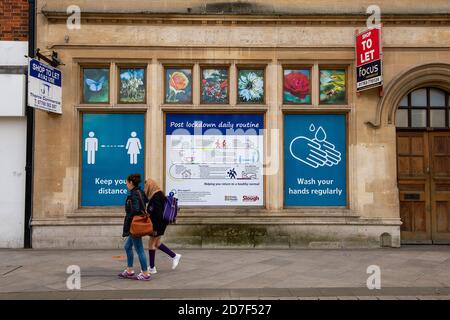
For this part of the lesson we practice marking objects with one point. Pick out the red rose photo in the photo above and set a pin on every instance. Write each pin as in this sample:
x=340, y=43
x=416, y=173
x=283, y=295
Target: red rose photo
x=296, y=86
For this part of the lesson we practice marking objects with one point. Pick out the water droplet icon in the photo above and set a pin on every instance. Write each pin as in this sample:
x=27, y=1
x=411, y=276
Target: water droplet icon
x=321, y=134
x=312, y=128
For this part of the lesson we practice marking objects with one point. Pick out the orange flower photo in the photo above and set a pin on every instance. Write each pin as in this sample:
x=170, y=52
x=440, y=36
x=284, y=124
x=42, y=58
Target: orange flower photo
x=178, y=85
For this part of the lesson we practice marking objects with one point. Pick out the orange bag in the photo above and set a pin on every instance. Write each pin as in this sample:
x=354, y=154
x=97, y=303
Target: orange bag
x=142, y=224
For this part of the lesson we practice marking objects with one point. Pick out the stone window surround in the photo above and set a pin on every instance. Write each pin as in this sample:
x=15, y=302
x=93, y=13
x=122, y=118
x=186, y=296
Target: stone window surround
x=424, y=75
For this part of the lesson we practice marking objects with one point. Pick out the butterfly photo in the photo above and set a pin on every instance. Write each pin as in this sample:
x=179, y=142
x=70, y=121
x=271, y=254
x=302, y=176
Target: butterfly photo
x=95, y=85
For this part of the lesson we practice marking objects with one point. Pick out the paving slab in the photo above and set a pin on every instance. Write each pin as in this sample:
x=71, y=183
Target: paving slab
x=368, y=298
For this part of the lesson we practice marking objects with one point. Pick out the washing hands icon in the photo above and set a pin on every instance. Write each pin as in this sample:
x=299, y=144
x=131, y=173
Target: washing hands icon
x=316, y=152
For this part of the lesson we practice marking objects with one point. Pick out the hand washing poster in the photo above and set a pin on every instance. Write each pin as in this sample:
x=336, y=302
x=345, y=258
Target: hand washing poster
x=215, y=159
x=315, y=160
x=112, y=148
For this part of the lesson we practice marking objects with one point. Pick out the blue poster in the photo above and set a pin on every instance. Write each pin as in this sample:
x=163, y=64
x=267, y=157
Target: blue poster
x=112, y=148
x=315, y=160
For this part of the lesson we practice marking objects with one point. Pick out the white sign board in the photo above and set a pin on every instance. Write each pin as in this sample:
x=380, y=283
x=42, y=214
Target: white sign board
x=44, y=87
x=215, y=159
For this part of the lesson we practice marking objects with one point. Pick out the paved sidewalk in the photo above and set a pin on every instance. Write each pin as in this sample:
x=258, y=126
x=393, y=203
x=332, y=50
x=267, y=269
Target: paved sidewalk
x=412, y=272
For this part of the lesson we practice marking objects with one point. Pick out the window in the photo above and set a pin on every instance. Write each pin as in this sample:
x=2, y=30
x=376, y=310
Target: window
x=178, y=85
x=297, y=85
x=315, y=160
x=215, y=159
x=333, y=86
x=131, y=85
x=214, y=85
x=250, y=85
x=112, y=146
x=424, y=108
x=95, y=86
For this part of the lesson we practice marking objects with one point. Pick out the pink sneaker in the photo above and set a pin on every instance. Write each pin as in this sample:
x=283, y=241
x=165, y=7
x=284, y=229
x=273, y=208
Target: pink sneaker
x=126, y=275
x=142, y=277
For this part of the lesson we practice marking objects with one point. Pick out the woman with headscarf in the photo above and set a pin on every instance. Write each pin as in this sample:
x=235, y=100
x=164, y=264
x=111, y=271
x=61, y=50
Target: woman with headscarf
x=156, y=207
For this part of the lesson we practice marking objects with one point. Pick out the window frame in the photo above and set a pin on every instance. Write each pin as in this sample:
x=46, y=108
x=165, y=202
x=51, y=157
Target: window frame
x=121, y=67
x=322, y=67
x=428, y=108
x=81, y=83
x=240, y=67
x=178, y=66
x=301, y=67
x=215, y=66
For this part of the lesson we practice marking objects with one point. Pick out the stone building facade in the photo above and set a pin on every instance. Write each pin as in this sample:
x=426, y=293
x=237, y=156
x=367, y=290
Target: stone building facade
x=313, y=40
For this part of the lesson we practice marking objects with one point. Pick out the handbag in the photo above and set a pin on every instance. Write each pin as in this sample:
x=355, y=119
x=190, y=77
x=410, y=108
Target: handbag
x=141, y=225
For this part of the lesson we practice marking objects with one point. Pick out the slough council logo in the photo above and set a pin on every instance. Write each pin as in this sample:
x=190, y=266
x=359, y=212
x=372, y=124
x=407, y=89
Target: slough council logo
x=250, y=198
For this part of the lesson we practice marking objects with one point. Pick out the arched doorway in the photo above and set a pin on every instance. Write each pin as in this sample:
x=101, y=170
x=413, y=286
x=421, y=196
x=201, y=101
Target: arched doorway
x=422, y=120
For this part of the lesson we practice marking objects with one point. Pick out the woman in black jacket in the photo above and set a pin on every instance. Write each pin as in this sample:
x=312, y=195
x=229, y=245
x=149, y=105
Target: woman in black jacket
x=156, y=205
x=134, y=205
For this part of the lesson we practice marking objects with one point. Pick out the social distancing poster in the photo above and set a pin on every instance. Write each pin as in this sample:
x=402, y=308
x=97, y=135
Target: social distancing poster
x=112, y=148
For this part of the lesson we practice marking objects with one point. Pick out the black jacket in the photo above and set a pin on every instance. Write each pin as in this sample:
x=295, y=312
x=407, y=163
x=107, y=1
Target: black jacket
x=156, y=205
x=134, y=205
x=156, y=209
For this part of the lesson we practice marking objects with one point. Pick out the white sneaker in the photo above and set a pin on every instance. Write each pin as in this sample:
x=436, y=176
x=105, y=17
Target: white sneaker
x=152, y=270
x=176, y=260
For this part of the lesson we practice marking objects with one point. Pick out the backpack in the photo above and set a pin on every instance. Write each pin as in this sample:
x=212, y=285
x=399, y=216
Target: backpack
x=170, y=208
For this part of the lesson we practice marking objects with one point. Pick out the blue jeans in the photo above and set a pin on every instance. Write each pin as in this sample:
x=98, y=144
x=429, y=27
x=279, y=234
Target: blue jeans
x=139, y=247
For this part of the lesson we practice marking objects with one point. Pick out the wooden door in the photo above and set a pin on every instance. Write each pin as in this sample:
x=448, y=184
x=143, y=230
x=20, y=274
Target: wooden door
x=440, y=186
x=413, y=173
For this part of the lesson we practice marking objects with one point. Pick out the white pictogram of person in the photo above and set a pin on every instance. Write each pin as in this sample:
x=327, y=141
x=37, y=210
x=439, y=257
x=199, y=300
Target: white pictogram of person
x=133, y=146
x=91, y=147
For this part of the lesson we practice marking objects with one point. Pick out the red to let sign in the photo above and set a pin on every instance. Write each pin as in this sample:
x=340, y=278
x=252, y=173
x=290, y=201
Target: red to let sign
x=369, y=73
x=368, y=46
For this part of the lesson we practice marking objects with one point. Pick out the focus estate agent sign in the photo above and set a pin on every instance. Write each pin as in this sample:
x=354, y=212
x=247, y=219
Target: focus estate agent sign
x=315, y=160
x=112, y=147
x=368, y=59
x=215, y=159
x=44, y=86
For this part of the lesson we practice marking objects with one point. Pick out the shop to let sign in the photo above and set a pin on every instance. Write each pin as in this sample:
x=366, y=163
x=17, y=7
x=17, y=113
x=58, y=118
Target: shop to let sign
x=368, y=59
x=44, y=87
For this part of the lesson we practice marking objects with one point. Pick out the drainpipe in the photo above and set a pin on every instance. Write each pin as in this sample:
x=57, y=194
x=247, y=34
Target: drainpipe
x=30, y=131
